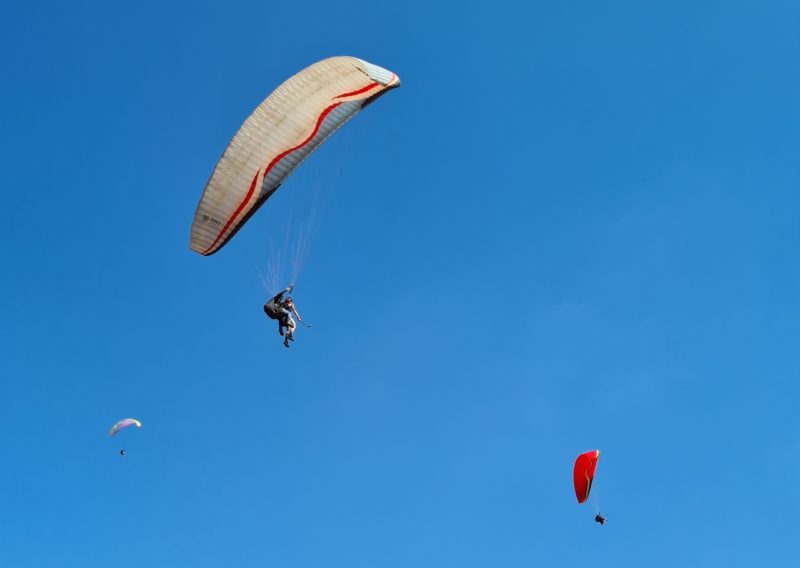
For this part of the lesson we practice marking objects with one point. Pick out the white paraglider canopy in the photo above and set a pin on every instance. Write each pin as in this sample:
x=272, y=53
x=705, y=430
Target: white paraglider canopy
x=283, y=130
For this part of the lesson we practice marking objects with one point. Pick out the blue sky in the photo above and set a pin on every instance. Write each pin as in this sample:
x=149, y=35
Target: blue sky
x=574, y=226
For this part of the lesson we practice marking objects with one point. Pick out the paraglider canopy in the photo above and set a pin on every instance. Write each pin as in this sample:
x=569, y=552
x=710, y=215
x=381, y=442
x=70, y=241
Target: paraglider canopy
x=275, y=139
x=583, y=474
x=122, y=424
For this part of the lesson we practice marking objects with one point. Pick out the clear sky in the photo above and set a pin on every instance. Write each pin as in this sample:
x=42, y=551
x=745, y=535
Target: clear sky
x=574, y=226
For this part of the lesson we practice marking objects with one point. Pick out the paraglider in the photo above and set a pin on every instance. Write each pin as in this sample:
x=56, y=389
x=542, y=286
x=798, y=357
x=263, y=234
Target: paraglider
x=582, y=477
x=275, y=139
x=281, y=309
x=121, y=425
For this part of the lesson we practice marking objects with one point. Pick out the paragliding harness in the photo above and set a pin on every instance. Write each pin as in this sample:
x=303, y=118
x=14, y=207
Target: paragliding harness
x=600, y=519
x=275, y=310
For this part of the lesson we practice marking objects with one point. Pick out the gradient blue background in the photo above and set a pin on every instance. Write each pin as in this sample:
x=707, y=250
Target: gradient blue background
x=574, y=226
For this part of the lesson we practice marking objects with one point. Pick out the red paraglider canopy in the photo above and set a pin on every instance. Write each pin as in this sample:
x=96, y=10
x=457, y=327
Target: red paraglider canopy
x=583, y=474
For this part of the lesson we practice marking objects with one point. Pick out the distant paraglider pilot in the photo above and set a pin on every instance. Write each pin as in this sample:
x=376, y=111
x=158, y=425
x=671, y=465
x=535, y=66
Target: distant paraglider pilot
x=122, y=452
x=281, y=309
x=600, y=519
